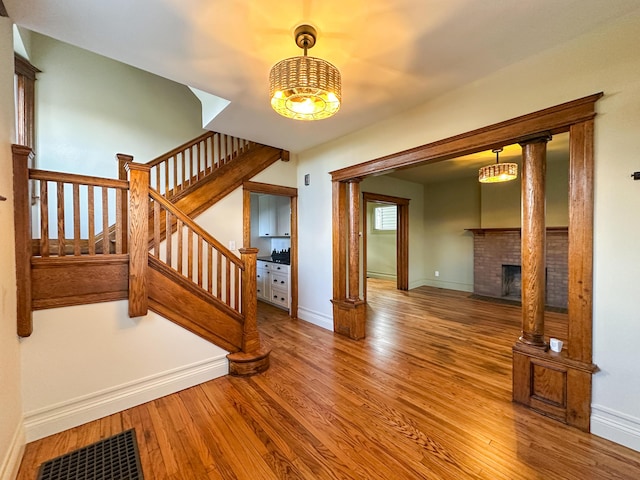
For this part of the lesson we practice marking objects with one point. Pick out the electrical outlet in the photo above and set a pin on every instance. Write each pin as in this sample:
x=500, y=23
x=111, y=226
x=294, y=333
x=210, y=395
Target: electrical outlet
x=437, y=273
x=232, y=244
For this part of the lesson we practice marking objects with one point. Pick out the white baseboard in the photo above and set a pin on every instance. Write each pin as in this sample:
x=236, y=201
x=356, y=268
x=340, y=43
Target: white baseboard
x=461, y=287
x=382, y=276
x=615, y=426
x=317, y=318
x=57, y=418
x=11, y=461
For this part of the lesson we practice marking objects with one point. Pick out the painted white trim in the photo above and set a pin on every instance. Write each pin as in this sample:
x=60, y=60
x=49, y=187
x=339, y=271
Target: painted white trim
x=317, y=318
x=62, y=416
x=11, y=462
x=615, y=426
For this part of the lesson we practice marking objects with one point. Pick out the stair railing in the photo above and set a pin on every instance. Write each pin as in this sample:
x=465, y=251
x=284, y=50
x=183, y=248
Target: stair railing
x=175, y=171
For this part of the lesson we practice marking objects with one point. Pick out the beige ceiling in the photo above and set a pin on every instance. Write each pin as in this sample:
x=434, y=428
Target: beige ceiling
x=393, y=54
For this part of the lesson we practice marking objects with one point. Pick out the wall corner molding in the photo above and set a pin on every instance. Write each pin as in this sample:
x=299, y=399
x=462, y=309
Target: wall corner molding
x=11, y=461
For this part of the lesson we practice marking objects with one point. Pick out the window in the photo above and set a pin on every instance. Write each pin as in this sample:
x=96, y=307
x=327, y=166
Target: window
x=25, y=80
x=385, y=217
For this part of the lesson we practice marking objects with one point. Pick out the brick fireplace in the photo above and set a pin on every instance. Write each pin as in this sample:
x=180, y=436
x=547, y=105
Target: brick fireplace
x=496, y=264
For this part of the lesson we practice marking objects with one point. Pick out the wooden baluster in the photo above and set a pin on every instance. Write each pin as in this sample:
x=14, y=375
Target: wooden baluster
x=209, y=268
x=124, y=200
x=196, y=149
x=139, y=238
x=76, y=219
x=182, y=159
x=157, y=175
x=106, y=241
x=61, y=239
x=22, y=158
x=166, y=178
x=169, y=238
x=219, y=276
x=236, y=294
x=91, y=220
x=156, y=230
x=44, y=218
x=118, y=229
x=179, y=238
x=175, y=174
x=200, y=266
x=228, y=281
x=219, y=155
x=190, y=254
x=207, y=168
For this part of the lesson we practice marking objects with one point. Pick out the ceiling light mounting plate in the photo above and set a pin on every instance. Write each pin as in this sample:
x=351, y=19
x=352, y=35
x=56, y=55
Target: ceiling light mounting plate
x=305, y=36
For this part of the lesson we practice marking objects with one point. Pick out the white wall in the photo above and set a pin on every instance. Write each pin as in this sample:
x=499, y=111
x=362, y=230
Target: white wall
x=11, y=431
x=450, y=208
x=89, y=361
x=603, y=60
x=89, y=108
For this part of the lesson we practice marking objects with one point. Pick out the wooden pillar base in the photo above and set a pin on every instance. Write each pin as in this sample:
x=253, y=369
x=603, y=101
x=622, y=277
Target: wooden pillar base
x=552, y=384
x=349, y=318
x=246, y=364
x=535, y=340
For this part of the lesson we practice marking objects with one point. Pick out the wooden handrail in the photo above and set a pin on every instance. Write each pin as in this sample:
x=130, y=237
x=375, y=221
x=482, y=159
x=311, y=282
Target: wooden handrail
x=181, y=148
x=176, y=171
x=50, y=176
x=186, y=220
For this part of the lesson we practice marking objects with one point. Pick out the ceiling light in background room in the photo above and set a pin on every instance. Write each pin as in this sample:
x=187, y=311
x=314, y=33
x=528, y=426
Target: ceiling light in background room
x=498, y=172
x=305, y=88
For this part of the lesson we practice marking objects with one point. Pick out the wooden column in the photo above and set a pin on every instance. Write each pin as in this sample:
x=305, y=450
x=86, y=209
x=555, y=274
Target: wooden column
x=123, y=174
x=534, y=161
x=253, y=358
x=138, y=238
x=348, y=309
x=354, y=240
x=22, y=158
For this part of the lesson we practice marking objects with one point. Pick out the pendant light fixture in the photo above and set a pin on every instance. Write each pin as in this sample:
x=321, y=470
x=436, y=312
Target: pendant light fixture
x=498, y=172
x=305, y=88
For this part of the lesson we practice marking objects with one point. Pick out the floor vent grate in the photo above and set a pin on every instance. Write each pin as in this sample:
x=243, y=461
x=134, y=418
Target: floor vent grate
x=114, y=458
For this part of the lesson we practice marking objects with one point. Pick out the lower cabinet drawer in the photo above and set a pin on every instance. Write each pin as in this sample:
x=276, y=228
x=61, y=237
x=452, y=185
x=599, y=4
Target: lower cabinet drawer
x=279, y=297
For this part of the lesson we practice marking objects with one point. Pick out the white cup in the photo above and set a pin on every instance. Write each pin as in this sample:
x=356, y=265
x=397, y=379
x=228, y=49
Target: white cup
x=555, y=344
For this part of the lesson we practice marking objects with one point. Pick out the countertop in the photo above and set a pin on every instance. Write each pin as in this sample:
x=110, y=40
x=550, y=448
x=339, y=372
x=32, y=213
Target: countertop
x=269, y=259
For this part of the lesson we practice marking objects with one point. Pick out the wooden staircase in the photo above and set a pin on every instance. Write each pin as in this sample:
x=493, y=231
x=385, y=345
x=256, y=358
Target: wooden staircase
x=188, y=277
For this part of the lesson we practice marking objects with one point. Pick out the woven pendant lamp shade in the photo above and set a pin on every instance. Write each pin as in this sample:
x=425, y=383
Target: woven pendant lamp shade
x=305, y=88
x=498, y=172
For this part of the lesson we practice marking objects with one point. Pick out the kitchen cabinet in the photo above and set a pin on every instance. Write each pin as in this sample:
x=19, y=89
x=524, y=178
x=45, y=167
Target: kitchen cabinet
x=274, y=216
x=273, y=283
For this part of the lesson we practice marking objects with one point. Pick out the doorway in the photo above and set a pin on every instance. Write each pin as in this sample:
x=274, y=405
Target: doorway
x=398, y=211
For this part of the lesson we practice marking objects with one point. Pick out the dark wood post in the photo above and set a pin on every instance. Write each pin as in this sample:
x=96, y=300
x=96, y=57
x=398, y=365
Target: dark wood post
x=534, y=161
x=253, y=358
x=138, y=238
x=22, y=158
x=250, y=337
x=123, y=174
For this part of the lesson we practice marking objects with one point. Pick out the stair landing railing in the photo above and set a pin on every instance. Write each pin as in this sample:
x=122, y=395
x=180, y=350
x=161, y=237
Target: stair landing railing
x=174, y=172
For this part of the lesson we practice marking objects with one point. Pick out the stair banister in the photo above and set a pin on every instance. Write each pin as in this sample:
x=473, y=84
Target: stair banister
x=22, y=158
x=138, y=238
x=123, y=160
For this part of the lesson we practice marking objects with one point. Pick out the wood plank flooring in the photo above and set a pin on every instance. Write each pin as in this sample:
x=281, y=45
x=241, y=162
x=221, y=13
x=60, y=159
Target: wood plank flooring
x=427, y=395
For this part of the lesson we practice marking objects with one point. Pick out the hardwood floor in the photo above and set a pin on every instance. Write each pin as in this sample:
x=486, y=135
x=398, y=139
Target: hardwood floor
x=427, y=395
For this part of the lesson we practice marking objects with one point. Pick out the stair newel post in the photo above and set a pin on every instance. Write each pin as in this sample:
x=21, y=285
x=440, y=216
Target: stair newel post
x=22, y=159
x=138, y=238
x=253, y=358
x=123, y=161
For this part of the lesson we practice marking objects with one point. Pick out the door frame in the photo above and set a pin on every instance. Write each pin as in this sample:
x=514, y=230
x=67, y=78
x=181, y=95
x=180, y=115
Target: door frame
x=402, y=238
x=256, y=187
